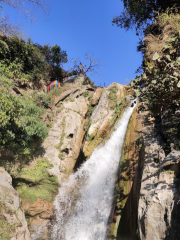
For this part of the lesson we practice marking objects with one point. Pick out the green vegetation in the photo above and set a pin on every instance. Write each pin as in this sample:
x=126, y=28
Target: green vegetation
x=90, y=137
x=35, y=182
x=88, y=119
x=141, y=14
x=139, y=142
x=159, y=85
x=61, y=154
x=113, y=97
x=86, y=94
x=87, y=81
x=44, y=100
x=26, y=61
x=20, y=122
x=161, y=77
x=118, y=112
x=138, y=234
x=6, y=229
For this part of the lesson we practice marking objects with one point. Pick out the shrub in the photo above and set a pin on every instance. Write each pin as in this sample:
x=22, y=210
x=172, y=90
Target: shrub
x=87, y=81
x=20, y=122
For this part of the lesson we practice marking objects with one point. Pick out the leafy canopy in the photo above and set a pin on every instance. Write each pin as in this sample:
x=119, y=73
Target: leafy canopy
x=139, y=14
x=26, y=61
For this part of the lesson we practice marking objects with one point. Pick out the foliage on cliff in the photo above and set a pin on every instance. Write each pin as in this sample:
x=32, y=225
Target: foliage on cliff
x=159, y=84
x=141, y=13
x=20, y=122
x=26, y=61
x=161, y=77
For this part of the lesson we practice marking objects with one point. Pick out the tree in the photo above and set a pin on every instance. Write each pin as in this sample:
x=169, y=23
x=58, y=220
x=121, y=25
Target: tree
x=54, y=55
x=142, y=13
x=26, y=6
x=8, y=29
x=90, y=65
x=26, y=61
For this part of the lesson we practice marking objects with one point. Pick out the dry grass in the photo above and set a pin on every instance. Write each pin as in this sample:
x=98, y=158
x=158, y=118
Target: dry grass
x=168, y=25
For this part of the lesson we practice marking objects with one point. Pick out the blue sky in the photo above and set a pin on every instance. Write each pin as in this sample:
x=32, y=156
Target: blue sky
x=81, y=27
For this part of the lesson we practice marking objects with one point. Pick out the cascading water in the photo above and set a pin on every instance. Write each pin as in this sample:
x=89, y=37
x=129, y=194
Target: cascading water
x=84, y=203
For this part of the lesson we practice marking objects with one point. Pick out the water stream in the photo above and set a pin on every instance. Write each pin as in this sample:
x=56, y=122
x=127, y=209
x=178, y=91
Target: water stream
x=84, y=203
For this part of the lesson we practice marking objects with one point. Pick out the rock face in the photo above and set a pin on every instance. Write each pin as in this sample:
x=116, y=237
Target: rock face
x=12, y=220
x=104, y=115
x=126, y=184
x=62, y=146
x=83, y=117
x=77, y=109
x=61, y=149
x=96, y=96
x=159, y=212
x=152, y=196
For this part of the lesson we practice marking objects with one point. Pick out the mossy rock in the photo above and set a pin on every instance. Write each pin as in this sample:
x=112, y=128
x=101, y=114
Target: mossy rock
x=100, y=136
x=6, y=230
x=35, y=182
x=112, y=97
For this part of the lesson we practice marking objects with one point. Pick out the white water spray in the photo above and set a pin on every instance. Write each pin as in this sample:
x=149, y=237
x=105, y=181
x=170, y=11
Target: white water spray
x=84, y=203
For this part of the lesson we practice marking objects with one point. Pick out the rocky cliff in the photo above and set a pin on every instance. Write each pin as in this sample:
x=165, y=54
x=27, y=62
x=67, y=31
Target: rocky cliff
x=146, y=203
x=12, y=219
x=83, y=117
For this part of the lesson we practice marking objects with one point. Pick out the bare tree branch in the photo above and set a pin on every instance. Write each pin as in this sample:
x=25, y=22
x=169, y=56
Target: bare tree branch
x=89, y=66
x=8, y=29
x=27, y=8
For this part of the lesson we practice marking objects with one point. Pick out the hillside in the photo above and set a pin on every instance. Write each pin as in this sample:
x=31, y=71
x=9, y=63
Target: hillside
x=57, y=146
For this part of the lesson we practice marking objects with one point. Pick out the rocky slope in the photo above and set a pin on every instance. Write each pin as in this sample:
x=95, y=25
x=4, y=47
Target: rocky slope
x=146, y=205
x=83, y=117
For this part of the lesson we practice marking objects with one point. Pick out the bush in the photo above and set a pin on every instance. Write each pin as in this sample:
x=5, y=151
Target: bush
x=161, y=78
x=87, y=81
x=20, y=122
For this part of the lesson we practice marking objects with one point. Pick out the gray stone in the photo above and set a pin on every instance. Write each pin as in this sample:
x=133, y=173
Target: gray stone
x=10, y=210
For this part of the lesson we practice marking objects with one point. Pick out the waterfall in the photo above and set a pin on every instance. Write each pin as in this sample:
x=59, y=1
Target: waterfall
x=84, y=203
